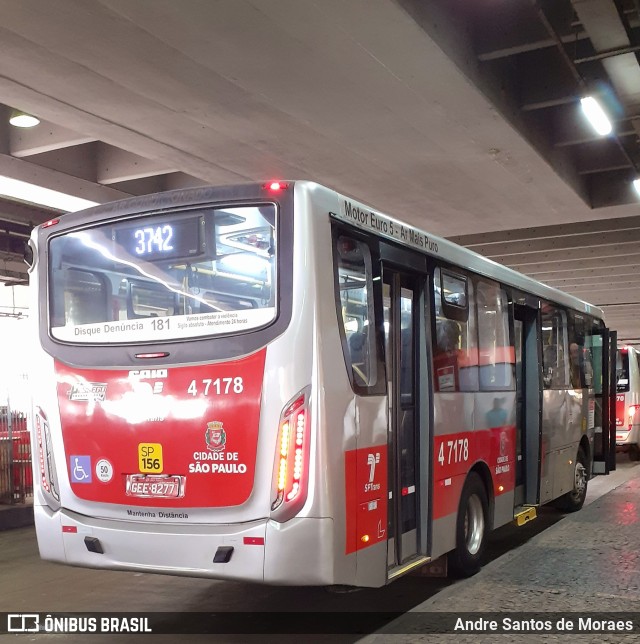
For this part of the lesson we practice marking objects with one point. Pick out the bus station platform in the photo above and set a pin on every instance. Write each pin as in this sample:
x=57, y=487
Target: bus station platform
x=575, y=565
x=19, y=515
x=587, y=563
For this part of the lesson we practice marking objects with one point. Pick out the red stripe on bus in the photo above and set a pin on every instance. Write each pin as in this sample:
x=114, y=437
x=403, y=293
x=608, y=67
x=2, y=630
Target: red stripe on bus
x=366, y=497
x=620, y=401
x=455, y=454
x=495, y=355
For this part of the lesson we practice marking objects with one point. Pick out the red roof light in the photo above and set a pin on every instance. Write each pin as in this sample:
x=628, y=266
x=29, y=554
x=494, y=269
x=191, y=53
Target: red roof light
x=276, y=186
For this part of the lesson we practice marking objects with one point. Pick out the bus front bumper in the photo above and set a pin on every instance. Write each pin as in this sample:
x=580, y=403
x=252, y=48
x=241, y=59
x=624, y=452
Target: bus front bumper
x=626, y=437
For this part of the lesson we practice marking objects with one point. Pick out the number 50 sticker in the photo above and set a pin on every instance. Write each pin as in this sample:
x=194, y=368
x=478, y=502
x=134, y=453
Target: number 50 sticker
x=150, y=457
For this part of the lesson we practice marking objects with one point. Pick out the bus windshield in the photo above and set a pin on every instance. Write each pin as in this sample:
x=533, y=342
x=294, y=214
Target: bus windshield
x=165, y=276
x=622, y=371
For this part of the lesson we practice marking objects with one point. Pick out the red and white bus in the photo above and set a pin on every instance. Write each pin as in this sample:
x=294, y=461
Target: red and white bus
x=277, y=383
x=628, y=401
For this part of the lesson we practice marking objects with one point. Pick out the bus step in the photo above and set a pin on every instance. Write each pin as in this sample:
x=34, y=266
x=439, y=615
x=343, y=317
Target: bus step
x=524, y=515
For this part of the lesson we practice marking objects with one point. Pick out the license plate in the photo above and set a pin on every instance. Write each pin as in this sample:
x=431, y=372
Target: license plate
x=157, y=487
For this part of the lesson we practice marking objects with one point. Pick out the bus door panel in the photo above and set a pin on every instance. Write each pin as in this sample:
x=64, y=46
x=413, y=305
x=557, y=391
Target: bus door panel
x=528, y=428
x=401, y=323
x=603, y=346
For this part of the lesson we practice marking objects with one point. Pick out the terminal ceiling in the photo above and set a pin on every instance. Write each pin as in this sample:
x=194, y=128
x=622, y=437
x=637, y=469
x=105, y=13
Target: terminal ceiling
x=459, y=117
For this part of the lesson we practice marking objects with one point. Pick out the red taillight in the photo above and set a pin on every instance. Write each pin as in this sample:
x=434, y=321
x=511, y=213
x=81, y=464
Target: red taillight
x=40, y=441
x=292, y=459
x=47, y=467
x=51, y=222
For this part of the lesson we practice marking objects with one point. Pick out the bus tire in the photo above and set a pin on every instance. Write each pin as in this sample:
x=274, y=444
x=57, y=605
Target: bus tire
x=634, y=452
x=574, y=500
x=471, y=528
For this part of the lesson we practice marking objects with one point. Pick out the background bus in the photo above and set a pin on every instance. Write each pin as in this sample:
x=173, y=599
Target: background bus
x=628, y=401
x=211, y=399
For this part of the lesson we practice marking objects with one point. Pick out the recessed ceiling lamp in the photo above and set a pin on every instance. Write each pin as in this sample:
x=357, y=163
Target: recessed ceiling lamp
x=20, y=119
x=596, y=115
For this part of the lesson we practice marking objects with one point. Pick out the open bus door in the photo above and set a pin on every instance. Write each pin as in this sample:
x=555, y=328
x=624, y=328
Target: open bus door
x=603, y=345
x=408, y=408
x=527, y=332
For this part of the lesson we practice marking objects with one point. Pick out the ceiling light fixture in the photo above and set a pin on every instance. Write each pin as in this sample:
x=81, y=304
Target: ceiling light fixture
x=636, y=185
x=31, y=193
x=596, y=115
x=20, y=119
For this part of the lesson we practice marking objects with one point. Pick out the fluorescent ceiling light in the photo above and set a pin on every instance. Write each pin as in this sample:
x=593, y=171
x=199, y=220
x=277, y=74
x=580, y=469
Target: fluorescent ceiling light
x=20, y=119
x=636, y=185
x=596, y=116
x=42, y=196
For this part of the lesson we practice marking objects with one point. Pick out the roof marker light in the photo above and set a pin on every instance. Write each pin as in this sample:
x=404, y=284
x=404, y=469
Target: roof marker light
x=276, y=186
x=51, y=222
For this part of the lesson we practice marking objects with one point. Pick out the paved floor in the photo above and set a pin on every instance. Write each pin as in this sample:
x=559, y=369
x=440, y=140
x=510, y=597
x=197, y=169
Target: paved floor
x=585, y=564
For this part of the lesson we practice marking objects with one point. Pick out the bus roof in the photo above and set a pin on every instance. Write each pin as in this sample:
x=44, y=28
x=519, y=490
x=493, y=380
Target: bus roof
x=366, y=218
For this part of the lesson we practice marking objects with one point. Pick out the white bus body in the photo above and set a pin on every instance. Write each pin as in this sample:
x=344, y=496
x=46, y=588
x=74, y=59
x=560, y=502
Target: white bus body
x=279, y=384
x=628, y=401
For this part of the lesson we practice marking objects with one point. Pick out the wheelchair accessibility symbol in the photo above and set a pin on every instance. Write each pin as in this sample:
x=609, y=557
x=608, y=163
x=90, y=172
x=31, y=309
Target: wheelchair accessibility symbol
x=80, y=468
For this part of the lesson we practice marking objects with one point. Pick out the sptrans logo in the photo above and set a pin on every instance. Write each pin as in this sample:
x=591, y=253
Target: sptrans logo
x=372, y=461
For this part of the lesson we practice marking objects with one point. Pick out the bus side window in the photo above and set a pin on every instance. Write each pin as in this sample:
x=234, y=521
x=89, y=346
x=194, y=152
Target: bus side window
x=354, y=289
x=496, y=355
x=554, y=348
x=455, y=353
x=581, y=361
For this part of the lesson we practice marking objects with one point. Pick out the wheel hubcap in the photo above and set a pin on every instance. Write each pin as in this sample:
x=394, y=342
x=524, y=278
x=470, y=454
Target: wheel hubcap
x=580, y=482
x=474, y=525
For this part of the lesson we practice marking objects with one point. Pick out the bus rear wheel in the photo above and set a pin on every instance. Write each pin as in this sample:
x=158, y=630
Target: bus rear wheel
x=574, y=500
x=471, y=528
x=634, y=452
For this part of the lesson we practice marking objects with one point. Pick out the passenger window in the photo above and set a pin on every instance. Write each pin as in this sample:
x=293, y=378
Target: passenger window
x=455, y=354
x=85, y=297
x=554, y=348
x=580, y=355
x=150, y=300
x=593, y=342
x=355, y=296
x=496, y=355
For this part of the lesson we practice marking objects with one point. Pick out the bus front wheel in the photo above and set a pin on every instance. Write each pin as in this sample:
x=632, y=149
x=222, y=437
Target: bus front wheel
x=471, y=528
